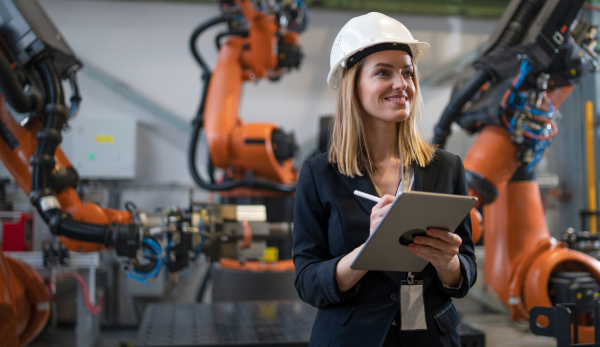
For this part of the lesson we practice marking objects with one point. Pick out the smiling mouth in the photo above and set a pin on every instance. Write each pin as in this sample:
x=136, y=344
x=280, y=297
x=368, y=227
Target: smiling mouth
x=397, y=99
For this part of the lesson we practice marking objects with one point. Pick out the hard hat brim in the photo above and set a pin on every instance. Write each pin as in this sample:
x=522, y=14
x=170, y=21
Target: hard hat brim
x=334, y=77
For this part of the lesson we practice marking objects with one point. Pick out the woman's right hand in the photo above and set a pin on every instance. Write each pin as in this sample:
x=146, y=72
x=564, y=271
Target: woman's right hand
x=379, y=210
x=345, y=276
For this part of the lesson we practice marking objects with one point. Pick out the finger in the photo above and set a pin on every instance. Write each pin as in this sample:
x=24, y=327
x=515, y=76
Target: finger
x=380, y=209
x=385, y=200
x=432, y=255
x=433, y=243
x=445, y=235
x=425, y=252
x=436, y=244
x=388, y=197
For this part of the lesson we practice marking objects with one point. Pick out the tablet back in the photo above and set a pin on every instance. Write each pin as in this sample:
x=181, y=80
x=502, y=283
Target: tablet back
x=411, y=213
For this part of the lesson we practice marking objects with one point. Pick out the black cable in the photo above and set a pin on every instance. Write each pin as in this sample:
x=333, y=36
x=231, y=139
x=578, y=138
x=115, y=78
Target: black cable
x=452, y=111
x=242, y=33
x=123, y=238
x=54, y=118
x=206, y=73
x=196, y=33
x=211, y=169
x=517, y=28
x=12, y=90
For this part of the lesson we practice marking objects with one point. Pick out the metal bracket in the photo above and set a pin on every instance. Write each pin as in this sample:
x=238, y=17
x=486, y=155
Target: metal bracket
x=559, y=319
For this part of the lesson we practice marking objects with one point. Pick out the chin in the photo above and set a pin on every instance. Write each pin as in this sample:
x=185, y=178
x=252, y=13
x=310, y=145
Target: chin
x=401, y=118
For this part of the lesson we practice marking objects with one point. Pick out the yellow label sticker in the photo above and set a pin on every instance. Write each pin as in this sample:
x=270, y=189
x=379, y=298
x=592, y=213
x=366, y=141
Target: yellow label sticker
x=271, y=255
x=105, y=138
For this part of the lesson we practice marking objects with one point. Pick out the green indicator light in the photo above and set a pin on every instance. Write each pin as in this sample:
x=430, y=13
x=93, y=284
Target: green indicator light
x=91, y=156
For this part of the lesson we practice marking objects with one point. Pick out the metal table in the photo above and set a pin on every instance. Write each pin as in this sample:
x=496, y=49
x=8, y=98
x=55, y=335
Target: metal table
x=242, y=323
x=222, y=324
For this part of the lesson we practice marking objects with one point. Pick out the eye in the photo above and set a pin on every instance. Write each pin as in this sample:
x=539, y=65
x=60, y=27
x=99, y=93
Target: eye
x=408, y=73
x=382, y=72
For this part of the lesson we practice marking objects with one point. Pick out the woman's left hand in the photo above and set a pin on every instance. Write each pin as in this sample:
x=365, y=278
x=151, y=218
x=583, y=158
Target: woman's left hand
x=440, y=248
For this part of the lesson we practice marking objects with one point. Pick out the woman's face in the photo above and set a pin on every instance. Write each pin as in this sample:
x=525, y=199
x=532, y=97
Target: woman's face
x=385, y=86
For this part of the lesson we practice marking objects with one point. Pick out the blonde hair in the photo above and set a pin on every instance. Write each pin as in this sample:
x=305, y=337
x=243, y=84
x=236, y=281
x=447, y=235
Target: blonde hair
x=348, y=146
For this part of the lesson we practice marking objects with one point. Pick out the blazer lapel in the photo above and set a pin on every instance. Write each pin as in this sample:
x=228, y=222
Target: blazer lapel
x=426, y=177
x=363, y=184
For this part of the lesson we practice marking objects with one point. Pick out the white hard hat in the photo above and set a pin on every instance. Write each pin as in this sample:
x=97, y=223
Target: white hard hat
x=369, y=30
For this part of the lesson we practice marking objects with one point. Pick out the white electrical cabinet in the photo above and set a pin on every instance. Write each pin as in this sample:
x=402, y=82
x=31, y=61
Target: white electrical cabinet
x=102, y=148
x=99, y=148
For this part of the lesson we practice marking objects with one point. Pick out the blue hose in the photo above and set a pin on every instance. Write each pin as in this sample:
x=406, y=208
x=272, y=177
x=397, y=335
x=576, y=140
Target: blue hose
x=154, y=251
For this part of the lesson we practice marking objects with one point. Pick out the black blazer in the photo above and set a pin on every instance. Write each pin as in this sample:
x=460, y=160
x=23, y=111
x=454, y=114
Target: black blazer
x=330, y=221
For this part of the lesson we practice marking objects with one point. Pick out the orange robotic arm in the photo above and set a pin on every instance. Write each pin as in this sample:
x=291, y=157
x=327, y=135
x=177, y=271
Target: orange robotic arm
x=24, y=300
x=255, y=155
x=523, y=262
x=33, y=112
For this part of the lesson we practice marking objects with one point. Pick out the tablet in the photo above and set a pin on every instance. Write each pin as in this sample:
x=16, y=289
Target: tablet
x=411, y=214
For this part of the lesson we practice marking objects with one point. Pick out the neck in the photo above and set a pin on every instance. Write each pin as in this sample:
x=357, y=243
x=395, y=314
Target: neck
x=382, y=142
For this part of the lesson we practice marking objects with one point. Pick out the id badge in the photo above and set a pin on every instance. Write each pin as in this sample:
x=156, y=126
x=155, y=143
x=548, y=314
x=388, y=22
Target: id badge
x=412, y=306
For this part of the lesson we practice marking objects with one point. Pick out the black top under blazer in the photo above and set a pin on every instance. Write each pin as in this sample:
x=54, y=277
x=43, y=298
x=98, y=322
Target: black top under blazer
x=330, y=222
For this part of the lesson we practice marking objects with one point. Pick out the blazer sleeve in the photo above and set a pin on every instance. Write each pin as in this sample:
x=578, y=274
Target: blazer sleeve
x=466, y=253
x=314, y=264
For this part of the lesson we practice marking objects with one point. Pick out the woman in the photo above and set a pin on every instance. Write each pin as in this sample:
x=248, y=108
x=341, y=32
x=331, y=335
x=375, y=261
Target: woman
x=375, y=148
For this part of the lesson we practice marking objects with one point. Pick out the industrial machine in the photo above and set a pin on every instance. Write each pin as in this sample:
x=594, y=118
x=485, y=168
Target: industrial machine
x=34, y=62
x=249, y=163
x=537, y=54
x=256, y=159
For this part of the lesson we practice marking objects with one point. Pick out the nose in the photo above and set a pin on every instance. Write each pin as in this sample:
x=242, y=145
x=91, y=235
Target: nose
x=399, y=83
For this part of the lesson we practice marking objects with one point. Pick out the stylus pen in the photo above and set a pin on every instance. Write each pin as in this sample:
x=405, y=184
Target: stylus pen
x=367, y=196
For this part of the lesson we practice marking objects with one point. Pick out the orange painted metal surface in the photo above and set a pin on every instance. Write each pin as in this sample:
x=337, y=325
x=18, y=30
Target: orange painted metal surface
x=24, y=302
x=493, y=156
x=476, y=224
x=514, y=224
x=260, y=55
x=257, y=266
x=222, y=101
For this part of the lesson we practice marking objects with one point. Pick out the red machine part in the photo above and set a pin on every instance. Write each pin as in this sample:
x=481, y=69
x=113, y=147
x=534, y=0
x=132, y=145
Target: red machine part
x=17, y=234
